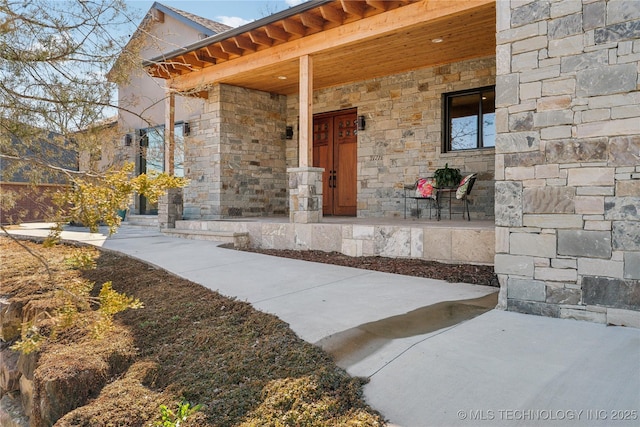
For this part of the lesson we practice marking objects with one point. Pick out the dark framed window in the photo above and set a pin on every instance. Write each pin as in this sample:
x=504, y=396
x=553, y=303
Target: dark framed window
x=470, y=119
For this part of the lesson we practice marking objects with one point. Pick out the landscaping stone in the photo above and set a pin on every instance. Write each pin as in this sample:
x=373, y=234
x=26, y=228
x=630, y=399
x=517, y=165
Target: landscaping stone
x=590, y=244
x=9, y=372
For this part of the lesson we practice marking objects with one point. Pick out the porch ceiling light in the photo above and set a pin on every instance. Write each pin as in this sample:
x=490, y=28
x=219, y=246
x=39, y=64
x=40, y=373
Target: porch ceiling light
x=282, y=77
x=437, y=40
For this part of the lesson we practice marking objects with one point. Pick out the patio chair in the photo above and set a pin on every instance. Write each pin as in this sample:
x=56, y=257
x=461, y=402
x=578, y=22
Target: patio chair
x=463, y=191
x=422, y=189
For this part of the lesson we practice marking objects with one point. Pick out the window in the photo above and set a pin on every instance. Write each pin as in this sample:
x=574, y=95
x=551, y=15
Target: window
x=152, y=145
x=466, y=113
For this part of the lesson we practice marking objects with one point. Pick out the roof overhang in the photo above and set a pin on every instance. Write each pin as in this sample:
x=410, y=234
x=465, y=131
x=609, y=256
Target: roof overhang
x=348, y=41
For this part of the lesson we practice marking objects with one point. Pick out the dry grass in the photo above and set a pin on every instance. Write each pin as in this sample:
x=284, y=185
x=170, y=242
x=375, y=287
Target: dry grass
x=245, y=367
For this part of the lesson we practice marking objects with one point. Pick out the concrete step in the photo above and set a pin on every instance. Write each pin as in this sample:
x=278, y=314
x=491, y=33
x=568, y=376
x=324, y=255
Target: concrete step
x=239, y=240
x=142, y=220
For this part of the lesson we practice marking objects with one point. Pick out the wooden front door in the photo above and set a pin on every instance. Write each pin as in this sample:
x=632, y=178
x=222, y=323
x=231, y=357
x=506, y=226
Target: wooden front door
x=335, y=150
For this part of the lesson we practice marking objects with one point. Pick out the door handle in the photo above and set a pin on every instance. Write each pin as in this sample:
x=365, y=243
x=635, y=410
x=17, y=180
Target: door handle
x=335, y=179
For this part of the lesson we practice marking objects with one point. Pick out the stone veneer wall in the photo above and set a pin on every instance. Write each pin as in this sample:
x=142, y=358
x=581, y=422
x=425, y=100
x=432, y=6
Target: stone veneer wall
x=235, y=156
x=403, y=136
x=568, y=159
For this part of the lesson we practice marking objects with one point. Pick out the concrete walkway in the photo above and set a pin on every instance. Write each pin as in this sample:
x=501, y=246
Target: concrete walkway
x=433, y=358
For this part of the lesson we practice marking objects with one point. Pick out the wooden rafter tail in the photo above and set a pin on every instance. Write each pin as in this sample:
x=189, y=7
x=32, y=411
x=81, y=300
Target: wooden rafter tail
x=294, y=27
x=216, y=52
x=356, y=8
x=193, y=60
x=228, y=46
x=379, y=4
x=314, y=22
x=331, y=14
x=260, y=38
x=276, y=33
x=245, y=43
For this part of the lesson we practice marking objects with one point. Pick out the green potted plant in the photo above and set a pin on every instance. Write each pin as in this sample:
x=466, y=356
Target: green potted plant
x=447, y=177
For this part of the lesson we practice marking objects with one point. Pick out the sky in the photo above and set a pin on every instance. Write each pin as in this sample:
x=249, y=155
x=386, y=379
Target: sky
x=230, y=12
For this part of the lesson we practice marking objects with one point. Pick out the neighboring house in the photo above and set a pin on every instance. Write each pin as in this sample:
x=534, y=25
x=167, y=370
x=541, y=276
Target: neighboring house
x=142, y=99
x=25, y=191
x=539, y=98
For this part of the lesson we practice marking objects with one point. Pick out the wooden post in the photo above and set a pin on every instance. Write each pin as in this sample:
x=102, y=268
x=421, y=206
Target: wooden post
x=169, y=132
x=305, y=143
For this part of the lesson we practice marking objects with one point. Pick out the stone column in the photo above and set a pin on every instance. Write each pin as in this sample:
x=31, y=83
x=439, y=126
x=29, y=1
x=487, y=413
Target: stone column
x=170, y=208
x=568, y=159
x=305, y=194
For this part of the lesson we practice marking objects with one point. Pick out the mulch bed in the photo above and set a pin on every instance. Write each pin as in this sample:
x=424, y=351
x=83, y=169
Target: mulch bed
x=454, y=273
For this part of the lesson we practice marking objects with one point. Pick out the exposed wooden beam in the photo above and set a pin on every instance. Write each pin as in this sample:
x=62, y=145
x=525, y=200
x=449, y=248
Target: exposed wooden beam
x=228, y=46
x=204, y=56
x=215, y=52
x=331, y=14
x=276, y=33
x=383, y=23
x=312, y=21
x=261, y=39
x=294, y=27
x=193, y=60
x=356, y=8
x=378, y=4
x=245, y=43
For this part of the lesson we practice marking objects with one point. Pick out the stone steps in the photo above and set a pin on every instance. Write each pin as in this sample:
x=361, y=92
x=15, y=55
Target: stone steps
x=239, y=240
x=142, y=220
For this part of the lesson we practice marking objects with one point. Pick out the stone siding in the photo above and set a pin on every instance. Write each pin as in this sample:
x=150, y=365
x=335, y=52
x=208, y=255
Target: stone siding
x=403, y=136
x=235, y=156
x=568, y=159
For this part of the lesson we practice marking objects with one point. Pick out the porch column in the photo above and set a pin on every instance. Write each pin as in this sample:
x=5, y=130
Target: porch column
x=169, y=131
x=305, y=181
x=170, y=205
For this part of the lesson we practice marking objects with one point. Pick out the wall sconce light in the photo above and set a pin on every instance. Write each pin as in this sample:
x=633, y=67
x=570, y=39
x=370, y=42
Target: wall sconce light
x=186, y=129
x=289, y=132
x=127, y=140
x=360, y=122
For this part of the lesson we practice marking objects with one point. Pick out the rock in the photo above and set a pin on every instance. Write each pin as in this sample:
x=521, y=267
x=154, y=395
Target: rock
x=10, y=319
x=9, y=372
x=11, y=413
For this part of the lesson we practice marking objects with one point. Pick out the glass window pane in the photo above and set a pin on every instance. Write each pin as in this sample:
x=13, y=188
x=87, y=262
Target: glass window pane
x=155, y=149
x=488, y=119
x=463, y=126
x=178, y=160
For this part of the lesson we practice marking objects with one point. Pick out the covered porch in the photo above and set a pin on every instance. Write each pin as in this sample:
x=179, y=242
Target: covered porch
x=254, y=152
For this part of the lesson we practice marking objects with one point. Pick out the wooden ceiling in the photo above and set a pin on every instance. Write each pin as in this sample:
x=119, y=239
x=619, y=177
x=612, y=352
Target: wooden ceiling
x=348, y=40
